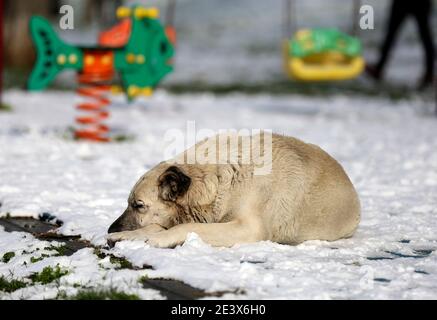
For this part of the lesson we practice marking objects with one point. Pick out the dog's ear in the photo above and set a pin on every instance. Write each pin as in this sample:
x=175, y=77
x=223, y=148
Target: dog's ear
x=173, y=183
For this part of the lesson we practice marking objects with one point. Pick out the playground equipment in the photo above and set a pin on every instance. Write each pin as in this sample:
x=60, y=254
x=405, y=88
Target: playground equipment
x=321, y=54
x=139, y=48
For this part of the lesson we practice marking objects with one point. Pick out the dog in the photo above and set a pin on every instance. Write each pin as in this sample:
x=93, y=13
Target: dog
x=306, y=196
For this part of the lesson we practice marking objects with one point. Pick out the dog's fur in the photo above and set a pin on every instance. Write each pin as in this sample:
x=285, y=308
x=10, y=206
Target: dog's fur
x=306, y=196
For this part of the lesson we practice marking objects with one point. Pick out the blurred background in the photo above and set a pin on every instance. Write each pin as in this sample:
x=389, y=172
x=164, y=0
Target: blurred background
x=226, y=45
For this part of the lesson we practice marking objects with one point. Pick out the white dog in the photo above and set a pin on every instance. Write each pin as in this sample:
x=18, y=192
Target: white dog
x=306, y=196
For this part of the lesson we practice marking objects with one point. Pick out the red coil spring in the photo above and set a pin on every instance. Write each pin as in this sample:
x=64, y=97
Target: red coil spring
x=94, y=87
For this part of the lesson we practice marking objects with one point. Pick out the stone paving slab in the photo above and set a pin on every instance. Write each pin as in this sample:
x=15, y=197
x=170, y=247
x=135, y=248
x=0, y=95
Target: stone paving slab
x=43, y=231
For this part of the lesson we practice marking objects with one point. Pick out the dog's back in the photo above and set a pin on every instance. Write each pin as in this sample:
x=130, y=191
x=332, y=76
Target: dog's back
x=310, y=195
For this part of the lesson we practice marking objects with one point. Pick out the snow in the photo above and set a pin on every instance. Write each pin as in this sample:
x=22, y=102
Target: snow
x=85, y=270
x=388, y=148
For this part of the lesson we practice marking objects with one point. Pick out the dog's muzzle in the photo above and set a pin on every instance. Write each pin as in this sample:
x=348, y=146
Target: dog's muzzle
x=115, y=227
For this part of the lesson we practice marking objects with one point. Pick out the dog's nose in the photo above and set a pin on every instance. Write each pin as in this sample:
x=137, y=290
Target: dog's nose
x=115, y=227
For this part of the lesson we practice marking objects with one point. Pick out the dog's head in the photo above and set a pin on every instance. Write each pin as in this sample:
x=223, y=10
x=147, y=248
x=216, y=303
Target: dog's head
x=156, y=199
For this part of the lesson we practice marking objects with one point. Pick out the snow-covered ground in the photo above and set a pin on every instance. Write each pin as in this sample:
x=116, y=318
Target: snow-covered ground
x=389, y=149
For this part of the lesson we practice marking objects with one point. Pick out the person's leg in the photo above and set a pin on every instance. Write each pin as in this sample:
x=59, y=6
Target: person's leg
x=397, y=15
x=422, y=15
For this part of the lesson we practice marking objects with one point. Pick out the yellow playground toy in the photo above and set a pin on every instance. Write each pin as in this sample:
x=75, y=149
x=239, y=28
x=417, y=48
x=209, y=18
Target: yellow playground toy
x=323, y=54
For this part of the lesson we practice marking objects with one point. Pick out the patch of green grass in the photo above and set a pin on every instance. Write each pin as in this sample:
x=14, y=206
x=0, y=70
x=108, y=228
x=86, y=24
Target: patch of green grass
x=143, y=278
x=34, y=259
x=110, y=294
x=8, y=256
x=61, y=251
x=48, y=274
x=62, y=295
x=121, y=263
x=123, y=138
x=5, y=107
x=11, y=286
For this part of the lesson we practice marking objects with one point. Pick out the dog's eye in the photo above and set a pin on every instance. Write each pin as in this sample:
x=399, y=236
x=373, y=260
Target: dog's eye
x=138, y=205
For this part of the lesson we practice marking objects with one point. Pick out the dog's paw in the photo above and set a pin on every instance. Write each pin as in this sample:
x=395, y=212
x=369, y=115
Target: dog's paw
x=112, y=238
x=158, y=240
x=161, y=240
